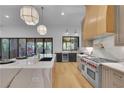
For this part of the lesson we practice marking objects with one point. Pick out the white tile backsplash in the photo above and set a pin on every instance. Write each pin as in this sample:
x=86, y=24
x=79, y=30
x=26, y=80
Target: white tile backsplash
x=110, y=50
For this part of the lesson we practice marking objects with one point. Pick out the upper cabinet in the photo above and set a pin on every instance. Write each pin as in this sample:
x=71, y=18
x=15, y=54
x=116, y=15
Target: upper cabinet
x=98, y=21
x=105, y=20
x=119, y=39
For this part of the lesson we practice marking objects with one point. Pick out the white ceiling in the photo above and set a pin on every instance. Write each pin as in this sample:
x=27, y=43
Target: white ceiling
x=52, y=15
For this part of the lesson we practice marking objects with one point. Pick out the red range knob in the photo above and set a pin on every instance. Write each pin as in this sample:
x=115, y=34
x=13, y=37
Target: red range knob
x=94, y=66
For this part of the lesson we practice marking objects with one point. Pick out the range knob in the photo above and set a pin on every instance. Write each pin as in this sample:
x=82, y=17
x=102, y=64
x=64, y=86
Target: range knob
x=94, y=66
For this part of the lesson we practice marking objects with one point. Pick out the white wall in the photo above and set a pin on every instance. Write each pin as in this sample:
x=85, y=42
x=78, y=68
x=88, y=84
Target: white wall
x=110, y=50
x=29, y=31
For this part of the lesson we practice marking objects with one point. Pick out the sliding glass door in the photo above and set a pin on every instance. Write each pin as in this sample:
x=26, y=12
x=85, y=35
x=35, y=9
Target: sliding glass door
x=13, y=48
x=22, y=47
x=30, y=47
x=39, y=46
x=44, y=46
x=48, y=46
x=5, y=48
x=16, y=47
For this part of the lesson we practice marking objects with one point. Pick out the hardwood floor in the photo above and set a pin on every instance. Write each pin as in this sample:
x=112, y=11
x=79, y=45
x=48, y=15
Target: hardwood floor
x=67, y=75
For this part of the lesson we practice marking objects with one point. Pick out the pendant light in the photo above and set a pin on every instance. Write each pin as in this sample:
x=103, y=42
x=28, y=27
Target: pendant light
x=76, y=33
x=29, y=15
x=41, y=29
x=66, y=32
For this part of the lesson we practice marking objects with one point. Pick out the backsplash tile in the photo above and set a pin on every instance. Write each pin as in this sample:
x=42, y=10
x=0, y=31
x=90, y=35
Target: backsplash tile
x=110, y=50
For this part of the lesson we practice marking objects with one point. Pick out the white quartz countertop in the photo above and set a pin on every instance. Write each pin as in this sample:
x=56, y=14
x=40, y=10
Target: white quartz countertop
x=31, y=62
x=115, y=66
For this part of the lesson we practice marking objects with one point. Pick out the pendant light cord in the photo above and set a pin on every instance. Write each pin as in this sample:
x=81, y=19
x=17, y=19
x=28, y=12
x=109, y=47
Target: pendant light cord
x=42, y=14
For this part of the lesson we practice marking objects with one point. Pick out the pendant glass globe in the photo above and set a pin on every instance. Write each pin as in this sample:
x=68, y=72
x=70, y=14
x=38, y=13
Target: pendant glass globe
x=41, y=29
x=29, y=15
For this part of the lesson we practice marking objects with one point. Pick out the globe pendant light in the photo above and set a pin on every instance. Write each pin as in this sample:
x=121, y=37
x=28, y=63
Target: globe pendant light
x=41, y=29
x=29, y=15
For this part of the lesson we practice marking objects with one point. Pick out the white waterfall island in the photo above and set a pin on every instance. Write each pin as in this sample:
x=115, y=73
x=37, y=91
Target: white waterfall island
x=28, y=73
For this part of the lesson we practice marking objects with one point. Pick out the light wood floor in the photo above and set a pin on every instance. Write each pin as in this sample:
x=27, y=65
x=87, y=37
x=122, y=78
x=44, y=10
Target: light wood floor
x=67, y=75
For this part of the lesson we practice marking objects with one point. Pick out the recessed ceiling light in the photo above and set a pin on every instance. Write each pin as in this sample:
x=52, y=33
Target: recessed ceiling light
x=7, y=16
x=62, y=13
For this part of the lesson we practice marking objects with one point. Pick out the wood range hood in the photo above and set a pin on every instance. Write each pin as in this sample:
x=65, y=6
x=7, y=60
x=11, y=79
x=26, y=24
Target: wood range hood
x=99, y=21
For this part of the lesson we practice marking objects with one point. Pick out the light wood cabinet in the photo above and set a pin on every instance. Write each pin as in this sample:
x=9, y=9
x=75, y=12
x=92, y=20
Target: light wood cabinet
x=98, y=21
x=101, y=20
x=105, y=20
x=90, y=22
x=112, y=78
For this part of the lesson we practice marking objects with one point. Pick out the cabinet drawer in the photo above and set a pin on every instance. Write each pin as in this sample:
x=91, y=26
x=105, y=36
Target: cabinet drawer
x=118, y=75
x=118, y=79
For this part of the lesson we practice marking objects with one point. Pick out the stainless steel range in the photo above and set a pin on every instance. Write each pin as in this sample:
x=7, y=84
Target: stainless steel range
x=90, y=68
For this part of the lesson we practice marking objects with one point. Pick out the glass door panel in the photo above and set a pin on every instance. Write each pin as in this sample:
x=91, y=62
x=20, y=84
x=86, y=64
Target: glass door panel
x=48, y=46
x=22, y=47
x=13, y=48
x=76, y=43
x=68, y=46
x=5, y=48
x=39, y=46
x=72, y=43
x=30, y=47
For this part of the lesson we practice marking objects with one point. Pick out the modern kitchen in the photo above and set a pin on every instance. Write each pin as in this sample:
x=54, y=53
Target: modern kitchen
x=61, y=46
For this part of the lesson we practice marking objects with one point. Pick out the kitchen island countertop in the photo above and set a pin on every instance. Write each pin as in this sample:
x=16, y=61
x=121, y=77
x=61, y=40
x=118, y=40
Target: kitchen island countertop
x=31, y=62
x=27, y=73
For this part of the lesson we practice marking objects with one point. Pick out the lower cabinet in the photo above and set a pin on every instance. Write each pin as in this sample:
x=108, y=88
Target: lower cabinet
x=71, y=57
x=117, y=79
x=112, y=78
x=106, y=77
x=59, y=57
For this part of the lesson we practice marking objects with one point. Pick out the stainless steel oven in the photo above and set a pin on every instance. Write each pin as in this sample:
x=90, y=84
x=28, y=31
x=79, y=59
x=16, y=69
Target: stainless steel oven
x=92, y=69
x=65, y=57
x=82, y=67
x=92, y=76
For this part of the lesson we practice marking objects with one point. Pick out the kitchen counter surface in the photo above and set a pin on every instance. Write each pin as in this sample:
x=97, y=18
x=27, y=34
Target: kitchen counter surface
x=115, y=66
x=31, y=62
x=27, y=73
x=67, y=52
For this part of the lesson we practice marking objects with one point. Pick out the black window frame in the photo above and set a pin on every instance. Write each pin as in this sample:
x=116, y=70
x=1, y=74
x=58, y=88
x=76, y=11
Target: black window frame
x=70, y=41
x=25, y=45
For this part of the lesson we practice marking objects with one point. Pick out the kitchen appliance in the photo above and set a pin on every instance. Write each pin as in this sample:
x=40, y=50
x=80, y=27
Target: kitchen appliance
x=65, y=57
x=93, y=68
x=82, y=67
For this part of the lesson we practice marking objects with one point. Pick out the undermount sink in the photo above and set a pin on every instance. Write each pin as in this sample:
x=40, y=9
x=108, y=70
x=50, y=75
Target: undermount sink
x=46, y=59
